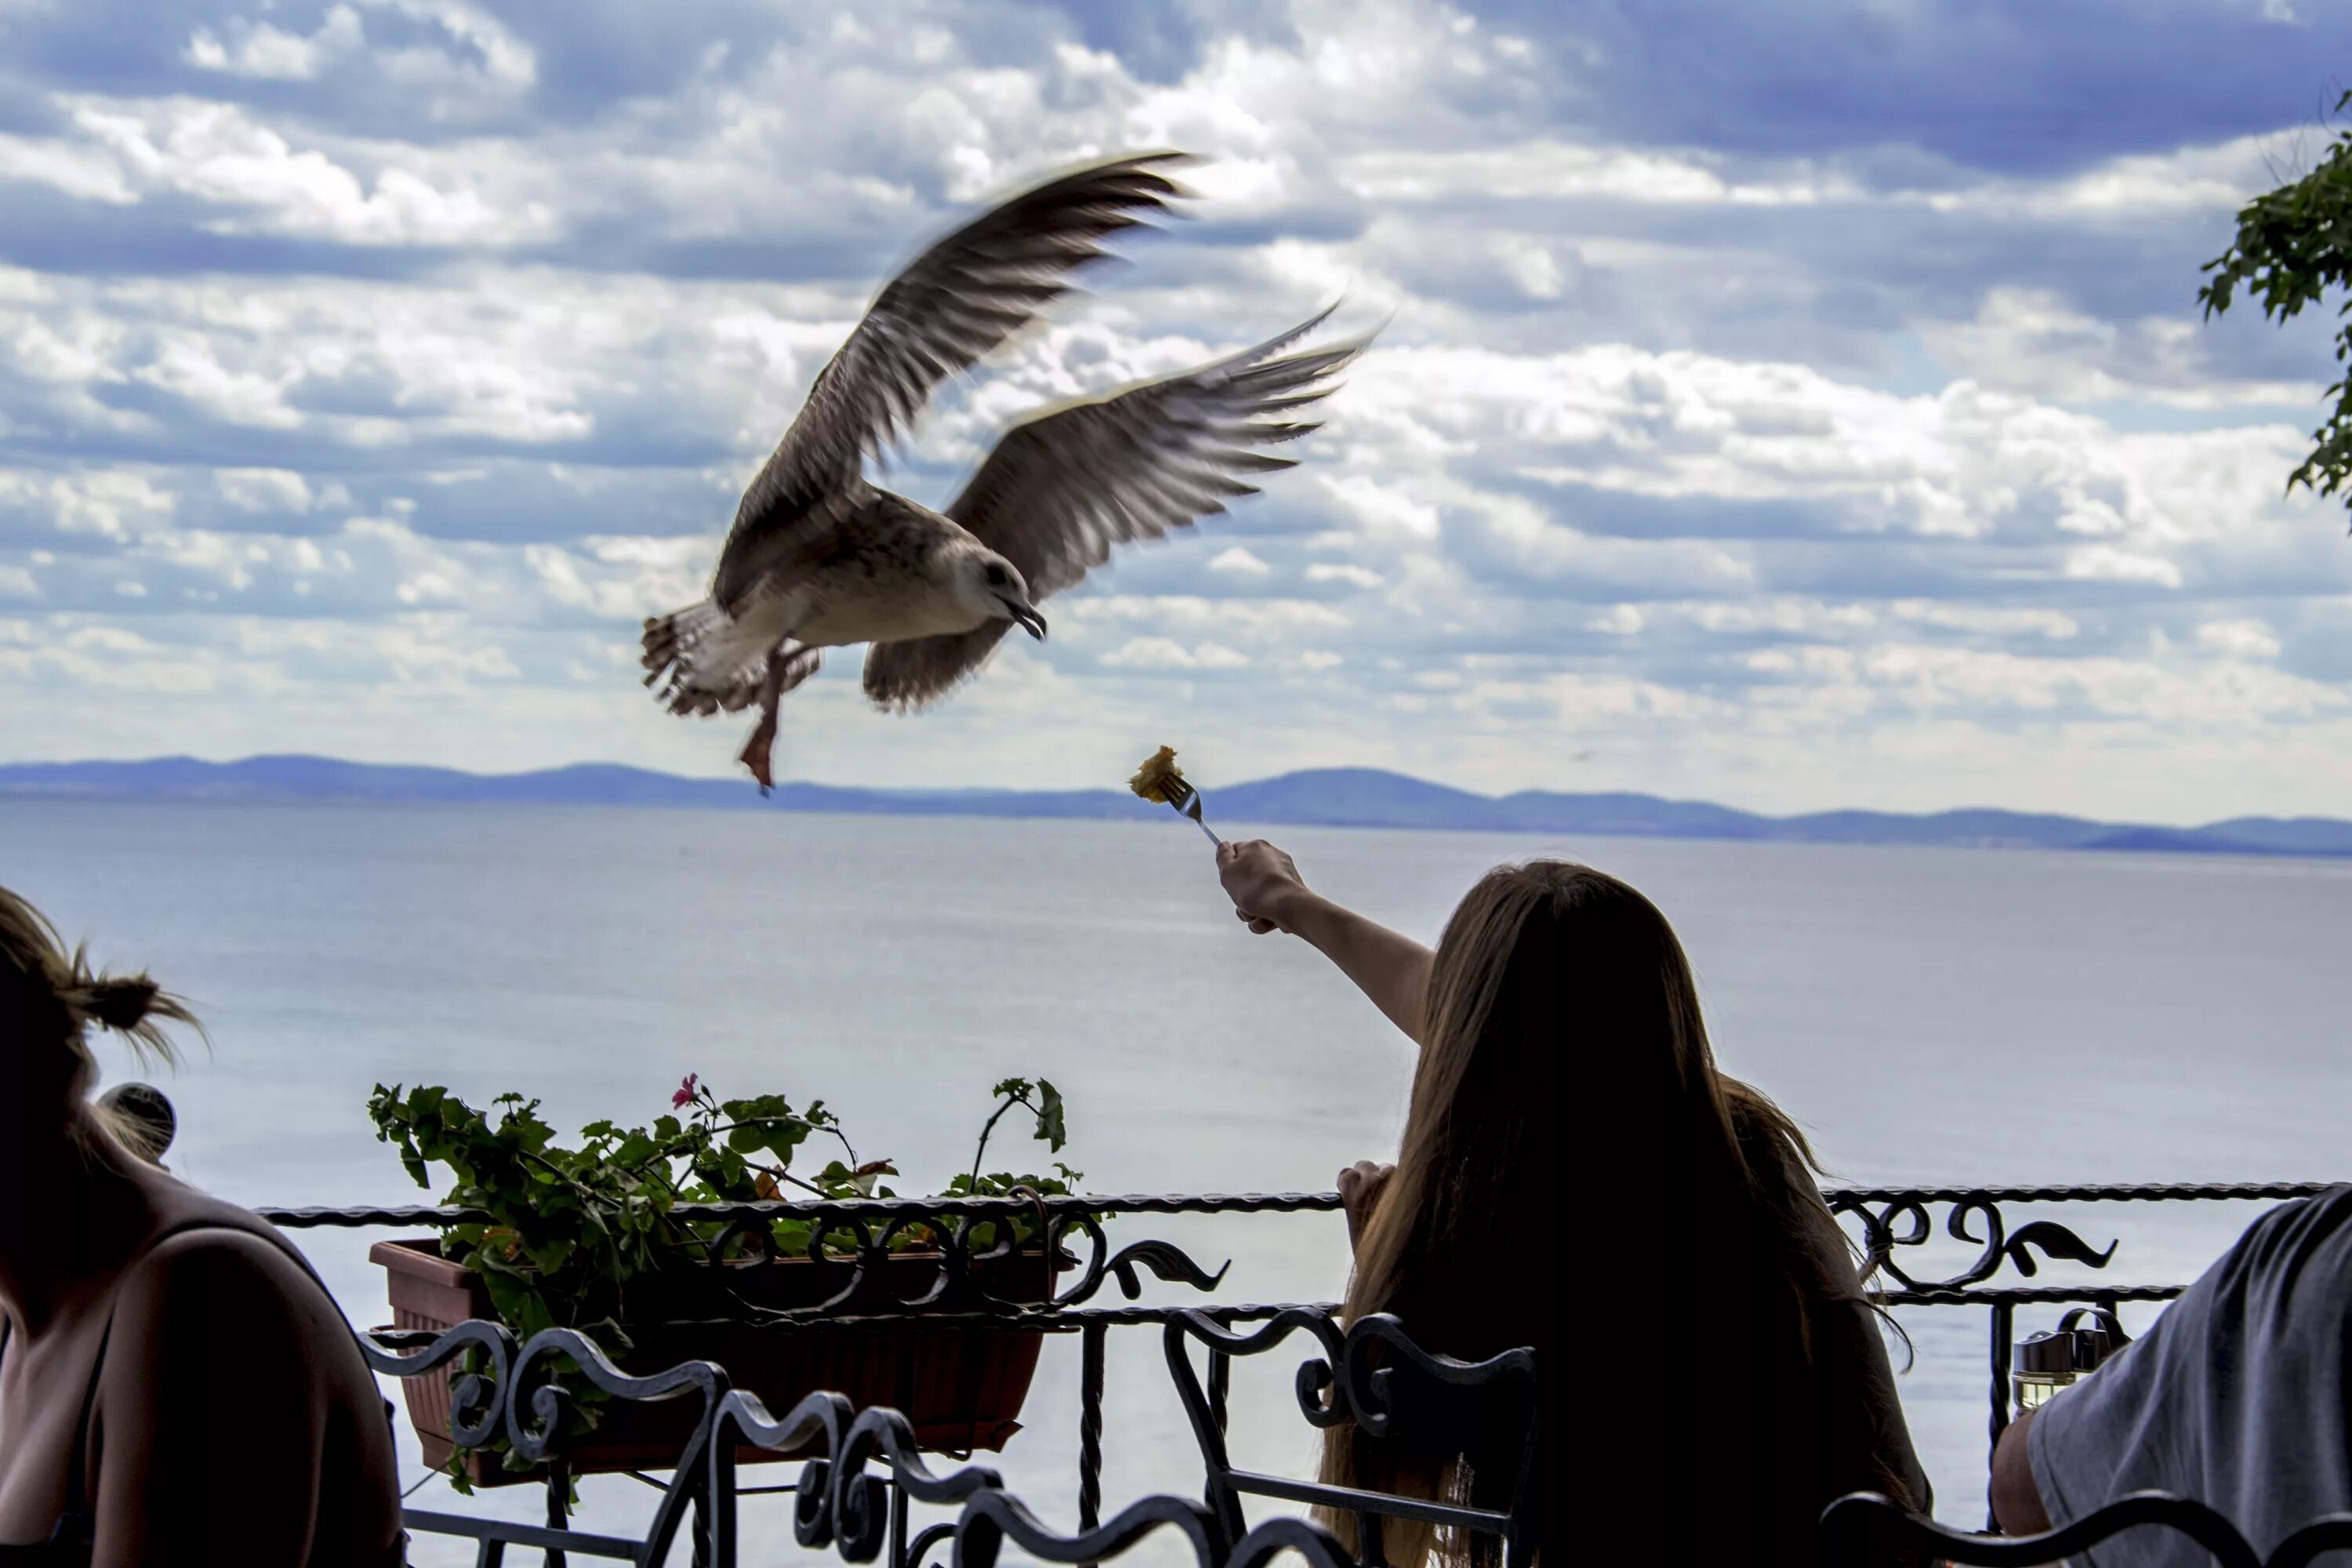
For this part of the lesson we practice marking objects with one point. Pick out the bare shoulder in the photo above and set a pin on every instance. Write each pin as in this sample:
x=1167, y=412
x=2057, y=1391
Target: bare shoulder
x=217, y=1310
x=220, y=1266
x=221, y=1254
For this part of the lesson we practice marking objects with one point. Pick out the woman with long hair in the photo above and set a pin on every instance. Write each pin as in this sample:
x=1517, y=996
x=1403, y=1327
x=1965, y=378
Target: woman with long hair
x=1577, y=1176
x=175, y=1385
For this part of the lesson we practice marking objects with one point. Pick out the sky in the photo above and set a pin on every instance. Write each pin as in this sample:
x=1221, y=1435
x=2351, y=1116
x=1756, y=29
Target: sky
x=1785, y=403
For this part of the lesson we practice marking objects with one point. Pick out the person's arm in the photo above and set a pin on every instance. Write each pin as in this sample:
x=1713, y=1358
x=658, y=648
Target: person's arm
x=2016, y=1500
x=167, y=1490
x=1387, y=966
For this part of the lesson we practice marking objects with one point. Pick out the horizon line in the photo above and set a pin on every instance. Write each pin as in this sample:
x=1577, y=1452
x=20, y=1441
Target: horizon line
x=1119, y=791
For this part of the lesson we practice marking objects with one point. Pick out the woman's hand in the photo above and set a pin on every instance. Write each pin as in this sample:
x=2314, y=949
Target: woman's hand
x=1361, y=1186
x=1268, y=894
x=1265, y=886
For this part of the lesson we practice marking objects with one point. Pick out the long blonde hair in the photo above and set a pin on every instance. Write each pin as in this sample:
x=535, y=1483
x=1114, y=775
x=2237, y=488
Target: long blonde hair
x=1567, y=1116
x=48, y=999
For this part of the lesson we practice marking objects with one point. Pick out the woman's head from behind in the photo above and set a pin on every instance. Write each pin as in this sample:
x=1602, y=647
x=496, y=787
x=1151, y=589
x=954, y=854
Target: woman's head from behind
x=49, y=997
x=1563, y=1049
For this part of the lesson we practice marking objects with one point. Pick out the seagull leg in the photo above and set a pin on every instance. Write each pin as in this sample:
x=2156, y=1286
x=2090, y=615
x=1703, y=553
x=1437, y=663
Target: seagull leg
x=758, y=750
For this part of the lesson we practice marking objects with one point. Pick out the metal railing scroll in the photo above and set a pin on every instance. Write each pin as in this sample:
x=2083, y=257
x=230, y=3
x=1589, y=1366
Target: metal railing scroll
x=1995, y=1245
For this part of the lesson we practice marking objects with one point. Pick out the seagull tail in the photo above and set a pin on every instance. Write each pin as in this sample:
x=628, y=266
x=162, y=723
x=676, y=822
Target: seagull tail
x=701, y=660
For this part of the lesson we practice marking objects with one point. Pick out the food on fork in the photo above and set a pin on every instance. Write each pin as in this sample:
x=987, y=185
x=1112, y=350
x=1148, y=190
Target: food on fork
x=1159, y=779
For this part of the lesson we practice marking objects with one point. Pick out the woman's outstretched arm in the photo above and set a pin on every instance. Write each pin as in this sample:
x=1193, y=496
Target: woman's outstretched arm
x=1387, y=966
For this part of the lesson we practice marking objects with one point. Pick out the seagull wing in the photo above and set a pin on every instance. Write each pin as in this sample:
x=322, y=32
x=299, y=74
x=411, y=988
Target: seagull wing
x=957, y=302
x=1066, y=485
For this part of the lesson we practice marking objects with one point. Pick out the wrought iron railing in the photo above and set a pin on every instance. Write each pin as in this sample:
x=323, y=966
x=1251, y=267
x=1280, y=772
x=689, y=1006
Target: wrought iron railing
x=1868, y=1528
x=840, y=1500
x=1890, y=1221
x=1894, y=1228
x=956, y=1295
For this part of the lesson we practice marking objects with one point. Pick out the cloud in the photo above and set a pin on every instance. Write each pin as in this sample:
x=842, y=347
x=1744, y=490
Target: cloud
x=1333, y=572
x=2104, y=563
x=85, y=172
x=471, y=42
x=1163, y=654
x=271, y=53
x=258, y=179
x=2243, y=639
x=2031, y=341
x=2025, y=86
x=1803, y=410
x=1552, y=170
x=264, y=490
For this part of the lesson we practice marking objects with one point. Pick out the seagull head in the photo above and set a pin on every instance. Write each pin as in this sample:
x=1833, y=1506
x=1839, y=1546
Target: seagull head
x=1003, y=593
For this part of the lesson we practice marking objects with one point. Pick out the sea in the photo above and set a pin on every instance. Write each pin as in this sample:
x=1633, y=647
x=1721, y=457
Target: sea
x=1929, y=1015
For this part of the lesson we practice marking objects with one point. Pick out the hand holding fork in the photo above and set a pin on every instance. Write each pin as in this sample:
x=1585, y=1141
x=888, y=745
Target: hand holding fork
x=1185, y=801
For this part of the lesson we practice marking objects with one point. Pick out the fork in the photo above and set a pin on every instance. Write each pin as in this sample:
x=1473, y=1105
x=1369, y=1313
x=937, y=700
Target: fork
x=1189, y=805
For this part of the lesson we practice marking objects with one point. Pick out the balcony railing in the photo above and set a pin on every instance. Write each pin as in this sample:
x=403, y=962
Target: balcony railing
x=1890, y=1224
x=1988, y=1240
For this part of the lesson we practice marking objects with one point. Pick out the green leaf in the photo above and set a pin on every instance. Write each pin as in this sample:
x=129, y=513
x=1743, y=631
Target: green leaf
x=1051, y=1127
x=552, y=1256
x=571, y=1226
x=2292, y=248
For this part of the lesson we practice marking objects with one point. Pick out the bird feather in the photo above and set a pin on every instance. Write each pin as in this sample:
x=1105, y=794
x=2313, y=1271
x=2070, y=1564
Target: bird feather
x=1070, y=484
x=956, y=303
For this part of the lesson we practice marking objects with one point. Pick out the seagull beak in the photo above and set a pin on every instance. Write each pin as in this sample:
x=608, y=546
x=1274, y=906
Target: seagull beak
x=1030, y=620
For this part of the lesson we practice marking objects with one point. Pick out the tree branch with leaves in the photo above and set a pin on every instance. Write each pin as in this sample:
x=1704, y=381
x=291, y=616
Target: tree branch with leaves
x=2293, y=247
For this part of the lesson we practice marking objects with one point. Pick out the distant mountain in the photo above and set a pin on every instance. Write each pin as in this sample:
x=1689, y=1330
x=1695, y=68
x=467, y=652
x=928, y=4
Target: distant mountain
x=1335, y=797
x=2293, y=834
x=583, y=784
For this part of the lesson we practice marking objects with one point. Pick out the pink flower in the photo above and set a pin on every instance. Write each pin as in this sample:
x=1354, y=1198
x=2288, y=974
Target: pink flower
x=685, y=1095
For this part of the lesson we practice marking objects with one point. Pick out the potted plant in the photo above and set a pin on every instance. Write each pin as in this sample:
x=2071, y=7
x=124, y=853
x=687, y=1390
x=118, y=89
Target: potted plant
x=586, y=1237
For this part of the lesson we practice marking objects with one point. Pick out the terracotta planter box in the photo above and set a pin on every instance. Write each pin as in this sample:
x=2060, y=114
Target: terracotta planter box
x=963, y=1388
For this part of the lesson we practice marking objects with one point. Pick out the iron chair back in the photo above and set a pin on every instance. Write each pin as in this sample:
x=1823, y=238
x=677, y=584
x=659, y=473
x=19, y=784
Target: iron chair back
x=1356, y=1379
x=1870, y=1527
x=513, y=1394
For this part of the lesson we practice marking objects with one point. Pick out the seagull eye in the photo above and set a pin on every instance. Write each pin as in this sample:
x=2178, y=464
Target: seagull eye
x=996, y=578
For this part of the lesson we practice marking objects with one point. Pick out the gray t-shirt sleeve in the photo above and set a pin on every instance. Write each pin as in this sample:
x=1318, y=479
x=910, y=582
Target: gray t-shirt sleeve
x=2235, y=1397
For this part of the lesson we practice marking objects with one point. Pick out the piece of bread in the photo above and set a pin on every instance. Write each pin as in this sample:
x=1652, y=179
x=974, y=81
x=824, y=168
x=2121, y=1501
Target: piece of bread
x=1153, y=779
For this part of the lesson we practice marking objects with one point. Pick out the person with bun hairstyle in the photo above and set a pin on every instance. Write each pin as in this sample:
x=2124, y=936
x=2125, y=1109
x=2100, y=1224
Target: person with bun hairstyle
x=153, y=1340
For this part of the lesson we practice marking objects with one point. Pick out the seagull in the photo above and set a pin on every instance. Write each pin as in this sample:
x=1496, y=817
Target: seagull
x=819, y=557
